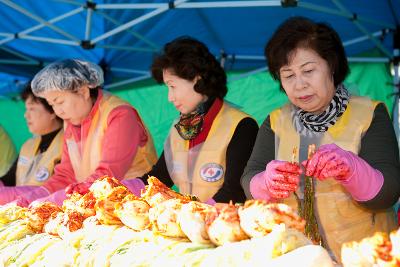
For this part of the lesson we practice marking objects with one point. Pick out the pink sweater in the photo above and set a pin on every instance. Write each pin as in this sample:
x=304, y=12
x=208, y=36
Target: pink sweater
x=124, y=134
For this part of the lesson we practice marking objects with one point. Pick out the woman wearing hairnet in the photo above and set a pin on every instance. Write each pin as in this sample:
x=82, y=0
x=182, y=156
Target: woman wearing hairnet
x=104, y=135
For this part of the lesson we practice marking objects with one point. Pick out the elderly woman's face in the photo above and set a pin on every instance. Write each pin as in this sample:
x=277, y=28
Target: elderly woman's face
x=308, y=81
x=39, y=120
x=72, y=107
x=181, y=93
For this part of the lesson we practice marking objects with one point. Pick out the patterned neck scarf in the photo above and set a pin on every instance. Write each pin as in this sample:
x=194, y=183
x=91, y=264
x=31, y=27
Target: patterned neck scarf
x=190, y=125
x=304, y=121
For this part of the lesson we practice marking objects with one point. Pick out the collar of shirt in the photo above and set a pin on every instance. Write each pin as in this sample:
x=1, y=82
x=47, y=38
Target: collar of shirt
x=208, y=120
x=46, y=140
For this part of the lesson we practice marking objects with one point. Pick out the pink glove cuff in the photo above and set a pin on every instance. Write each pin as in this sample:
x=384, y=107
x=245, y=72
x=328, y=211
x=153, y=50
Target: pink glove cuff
x=24, y=194
x=365, y=182
x=258, y=188
x=38, y=192
x=135, y=185
x=211, y=202
x=57, y=197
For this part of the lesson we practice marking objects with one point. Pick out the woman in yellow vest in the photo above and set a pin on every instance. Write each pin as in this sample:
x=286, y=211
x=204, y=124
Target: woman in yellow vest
x=355, y=169
x=103, y=135
x=39, y=154
x=209, y=144
x=8, y=153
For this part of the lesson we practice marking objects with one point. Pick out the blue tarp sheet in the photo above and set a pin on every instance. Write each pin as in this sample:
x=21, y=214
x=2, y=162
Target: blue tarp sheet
x=233, y=31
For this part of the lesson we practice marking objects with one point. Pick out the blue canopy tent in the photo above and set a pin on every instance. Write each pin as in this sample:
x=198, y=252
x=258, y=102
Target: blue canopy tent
x=124, y=36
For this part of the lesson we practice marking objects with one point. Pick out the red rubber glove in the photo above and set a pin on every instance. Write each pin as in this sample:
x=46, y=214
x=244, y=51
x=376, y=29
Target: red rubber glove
x=279, y=179
x=81, y=188
x=361, y=180
x=330, y=161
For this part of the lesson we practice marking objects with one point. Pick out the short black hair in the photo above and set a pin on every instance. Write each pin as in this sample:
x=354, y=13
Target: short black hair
x=188, y=58
x=300, y=32
x=27, y=92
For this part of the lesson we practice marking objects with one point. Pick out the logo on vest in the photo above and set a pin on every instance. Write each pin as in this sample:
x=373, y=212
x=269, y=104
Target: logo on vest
x=42, y=174
x=211, y=172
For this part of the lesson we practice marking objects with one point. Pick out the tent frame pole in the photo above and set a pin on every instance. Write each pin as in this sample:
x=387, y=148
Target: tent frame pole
x=132, y=6
x=41, y=25
x=364, y=38
x=220, y=4
x=127, y=81
x=49, y=40
x=71, y=2
x=132, y=32
x=363, y=29
x=17, y=62
x=127, y=48
x=39, y=19
x=231, y=4
x=6, y=34
x=88, y=28
x=143, y=72
x=348, y=15
x=134, y=22
x=29, y=59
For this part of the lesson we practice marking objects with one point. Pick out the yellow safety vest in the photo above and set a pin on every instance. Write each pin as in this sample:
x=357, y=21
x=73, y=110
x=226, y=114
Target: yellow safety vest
x=200, y=170
x=8, y=152
x=35, y=168
x=85, y=163
x=341, y=218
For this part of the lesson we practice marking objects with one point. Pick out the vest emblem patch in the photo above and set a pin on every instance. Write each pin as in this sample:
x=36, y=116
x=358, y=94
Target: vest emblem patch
x=42, y=174
x=211, y=172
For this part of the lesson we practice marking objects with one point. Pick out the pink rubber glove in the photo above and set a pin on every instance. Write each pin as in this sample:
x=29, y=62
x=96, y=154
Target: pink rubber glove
x=20, y=201
x=330, y=161
x=1, y=184
x=279, y=179
x=211, y=202
x=81, y=188
x=23, y=195
x=135, y=185
x=57, y=197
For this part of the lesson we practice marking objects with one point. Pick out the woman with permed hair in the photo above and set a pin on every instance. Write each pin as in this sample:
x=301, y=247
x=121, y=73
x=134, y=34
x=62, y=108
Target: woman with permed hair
x=104, y=135
x=355, y=168
x=209, y=144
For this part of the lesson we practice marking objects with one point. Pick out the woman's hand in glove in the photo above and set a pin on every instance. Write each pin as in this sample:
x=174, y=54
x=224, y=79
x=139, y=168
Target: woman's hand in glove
x=279, y=179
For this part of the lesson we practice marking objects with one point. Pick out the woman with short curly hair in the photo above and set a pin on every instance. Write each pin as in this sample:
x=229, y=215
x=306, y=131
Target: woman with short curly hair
x=208, y=145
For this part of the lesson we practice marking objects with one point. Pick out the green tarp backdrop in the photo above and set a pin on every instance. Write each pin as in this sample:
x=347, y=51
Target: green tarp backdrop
x=257, y=95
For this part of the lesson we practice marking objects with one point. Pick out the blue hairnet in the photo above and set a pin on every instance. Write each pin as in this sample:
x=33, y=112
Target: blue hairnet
x=67, y=75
